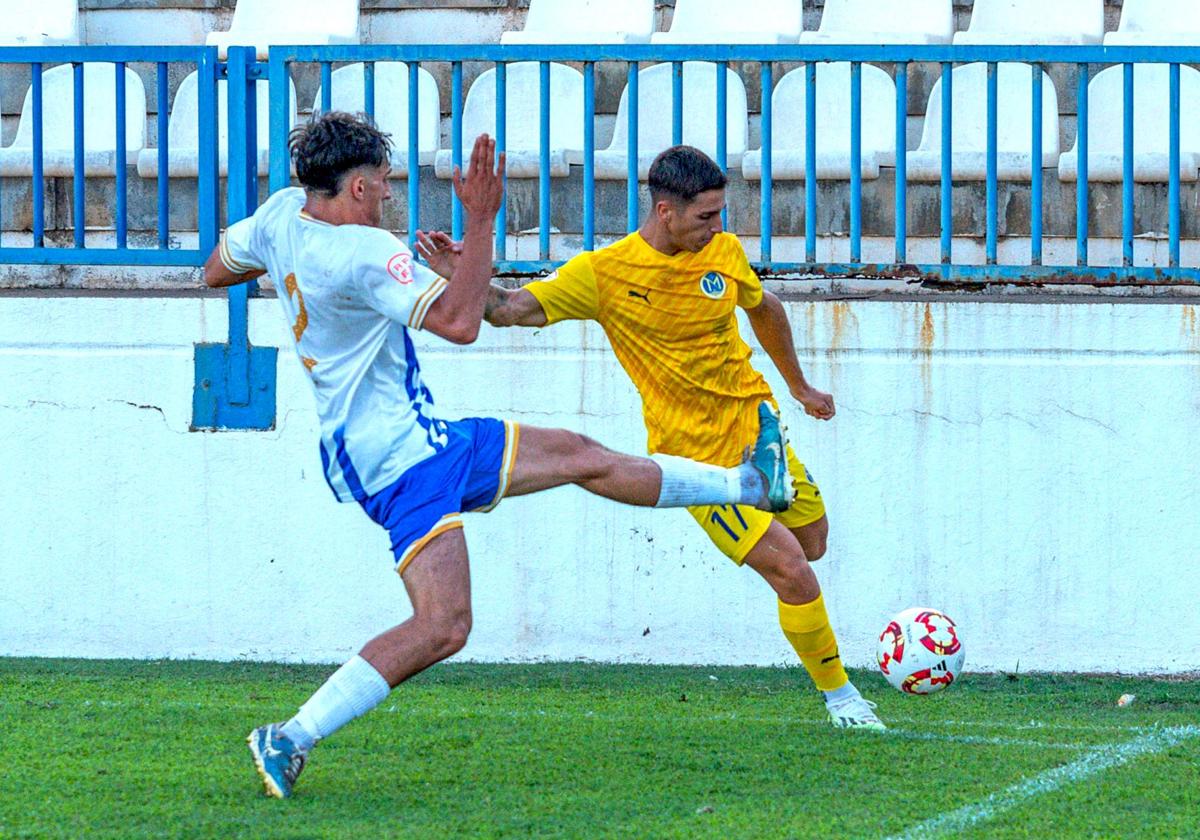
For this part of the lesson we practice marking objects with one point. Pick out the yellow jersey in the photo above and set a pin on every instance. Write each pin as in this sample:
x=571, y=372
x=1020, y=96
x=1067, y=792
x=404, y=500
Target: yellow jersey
x=672, y=325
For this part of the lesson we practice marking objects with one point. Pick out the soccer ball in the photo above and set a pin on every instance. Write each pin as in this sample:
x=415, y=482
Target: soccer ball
x=919, y=651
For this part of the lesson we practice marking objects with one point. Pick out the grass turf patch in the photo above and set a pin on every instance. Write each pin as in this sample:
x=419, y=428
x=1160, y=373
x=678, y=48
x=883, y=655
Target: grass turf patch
x=129, y=749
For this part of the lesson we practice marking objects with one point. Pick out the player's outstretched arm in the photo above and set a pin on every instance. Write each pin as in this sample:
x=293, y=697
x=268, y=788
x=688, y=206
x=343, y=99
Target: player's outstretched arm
x=457, y=314
x=513, y=308
x=770, y=323
x=218, y=276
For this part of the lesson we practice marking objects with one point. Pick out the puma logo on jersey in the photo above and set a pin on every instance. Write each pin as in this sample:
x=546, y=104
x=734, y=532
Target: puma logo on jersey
x=636, y=294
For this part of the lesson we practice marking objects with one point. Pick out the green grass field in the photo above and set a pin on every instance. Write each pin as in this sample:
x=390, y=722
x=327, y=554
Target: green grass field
x=155, y=749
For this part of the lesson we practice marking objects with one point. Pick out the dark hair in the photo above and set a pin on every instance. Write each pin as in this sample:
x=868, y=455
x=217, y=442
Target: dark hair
x=683, y=172
x=332, y=144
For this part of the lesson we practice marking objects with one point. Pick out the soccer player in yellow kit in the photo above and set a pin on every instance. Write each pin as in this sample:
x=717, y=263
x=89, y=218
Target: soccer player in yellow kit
x=666, y=297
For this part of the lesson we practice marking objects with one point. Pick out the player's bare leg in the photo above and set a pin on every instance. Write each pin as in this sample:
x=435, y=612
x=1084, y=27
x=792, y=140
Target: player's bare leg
x=549, y=458
x=779, y=557
x=813, y=538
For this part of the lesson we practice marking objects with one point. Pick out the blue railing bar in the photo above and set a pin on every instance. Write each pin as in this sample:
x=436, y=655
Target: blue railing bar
x=767, y=175
x=992, y=152
x=501, y=141
x=279, y=160
x=414, y=154
x=162, y=82
x=78, y=181
x=1035, y=174
x=369, y=88
x=39, y=181
x=456, y=144
x=326, y=87
x=676, y=103
x=798, y=53
x=544, y=160
x=810, y=162
x=947, y=169
x=98, y=53
x=122, y=195
x=1081, y=166
x=631, y=150
x=901, y=162
x=589, y=156
x=1127, y=171
x=1173, y=163
x=242, y=150
x=102, y=256
x=856, y=162
x=723, y=128
x=207, y=140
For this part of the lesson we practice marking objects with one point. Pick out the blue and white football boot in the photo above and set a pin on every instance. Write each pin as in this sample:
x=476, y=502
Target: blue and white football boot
x=770, y=458
x=279, y=761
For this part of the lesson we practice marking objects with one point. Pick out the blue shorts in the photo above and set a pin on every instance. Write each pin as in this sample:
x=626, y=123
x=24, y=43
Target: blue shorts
x=470, y=473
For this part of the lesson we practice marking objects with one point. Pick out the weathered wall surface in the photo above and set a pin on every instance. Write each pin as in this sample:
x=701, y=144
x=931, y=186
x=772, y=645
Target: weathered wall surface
x=1030, y=469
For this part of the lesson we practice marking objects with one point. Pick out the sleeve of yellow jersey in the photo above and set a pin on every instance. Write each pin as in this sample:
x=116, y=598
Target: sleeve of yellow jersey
x=569, y=293
x=749, y=287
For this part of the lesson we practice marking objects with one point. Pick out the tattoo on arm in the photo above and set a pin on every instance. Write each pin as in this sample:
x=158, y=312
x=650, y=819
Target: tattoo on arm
x=496, y=300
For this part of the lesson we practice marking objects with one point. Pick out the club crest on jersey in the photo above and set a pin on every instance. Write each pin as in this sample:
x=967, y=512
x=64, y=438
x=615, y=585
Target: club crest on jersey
x=713, y=285
x=400, y=267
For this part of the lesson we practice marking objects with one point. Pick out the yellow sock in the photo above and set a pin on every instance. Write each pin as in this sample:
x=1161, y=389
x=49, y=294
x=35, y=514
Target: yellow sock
x=807, y=628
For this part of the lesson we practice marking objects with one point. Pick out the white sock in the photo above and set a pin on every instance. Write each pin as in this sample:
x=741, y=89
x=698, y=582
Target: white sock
x=844, y=693
x=352, y=691
x=686, y=482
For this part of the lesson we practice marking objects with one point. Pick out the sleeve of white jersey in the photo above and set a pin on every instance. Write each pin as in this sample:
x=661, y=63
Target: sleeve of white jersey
x=239, y=247
x=394, y=284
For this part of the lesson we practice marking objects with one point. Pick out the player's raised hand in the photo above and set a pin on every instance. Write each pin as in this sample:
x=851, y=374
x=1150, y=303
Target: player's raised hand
x=816, y=403
x=439, y=251
x=482, y=190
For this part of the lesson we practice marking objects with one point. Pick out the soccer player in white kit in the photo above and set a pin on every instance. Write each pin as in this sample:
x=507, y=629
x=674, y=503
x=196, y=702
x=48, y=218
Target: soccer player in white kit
x=351, y=292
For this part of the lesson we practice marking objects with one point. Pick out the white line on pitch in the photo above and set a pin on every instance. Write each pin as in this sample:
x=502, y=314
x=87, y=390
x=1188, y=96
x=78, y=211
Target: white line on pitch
x=1093, y=762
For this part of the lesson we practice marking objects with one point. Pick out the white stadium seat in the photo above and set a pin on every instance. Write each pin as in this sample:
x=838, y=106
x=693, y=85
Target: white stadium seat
x=1151, y=126
x=585, y=22
x=1034, y=22
x=1157, y=23
x=789, y=122
x=99, y=123
x=725, y=22
x=261, y=23
x=45, y=23
x=654, y=118
x=894, y=22
x=183, y=156
x=1014, y=126
x=391, y=107
x=522, y=119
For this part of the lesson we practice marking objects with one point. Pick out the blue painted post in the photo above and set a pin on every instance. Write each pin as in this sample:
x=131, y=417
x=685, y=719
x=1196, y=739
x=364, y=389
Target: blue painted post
x=39, y=181
x=902, y=162
x=992, y=152
x=856, y=161
x=207, y=141
x=676, y=103
x=242, y=147
x=947, y=159
x=164, y=158
x=810, y=163
x=369, y=88
x=456, y=144
x=501, y=141
x=1173, y=163
x=1081, y=166
x=589, y=156
x=1127, y=172
x=631, y=150
x=767, y=174
x=278, y=112
x=544, y=161
x=722, y=127
x=122, y=194
x=414, y=154
x=1035, y=174
x=79, y=153
x=326, y=87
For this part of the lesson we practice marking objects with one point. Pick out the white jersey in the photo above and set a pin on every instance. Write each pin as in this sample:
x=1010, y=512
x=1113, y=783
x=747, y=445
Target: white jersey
x=351, y=293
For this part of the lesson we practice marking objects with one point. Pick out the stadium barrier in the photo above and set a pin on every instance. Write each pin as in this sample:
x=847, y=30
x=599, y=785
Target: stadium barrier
x=235, y=382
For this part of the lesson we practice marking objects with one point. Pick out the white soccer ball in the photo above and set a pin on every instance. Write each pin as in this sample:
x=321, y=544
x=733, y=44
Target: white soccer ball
x=919, y=651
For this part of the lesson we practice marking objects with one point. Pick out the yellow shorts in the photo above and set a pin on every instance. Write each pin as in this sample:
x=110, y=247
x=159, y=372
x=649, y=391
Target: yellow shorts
x=735, y=529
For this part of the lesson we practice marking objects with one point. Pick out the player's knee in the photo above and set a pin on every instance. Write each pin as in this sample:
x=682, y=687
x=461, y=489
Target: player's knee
x=814, y=549
x=449, y=631
x=584, y=457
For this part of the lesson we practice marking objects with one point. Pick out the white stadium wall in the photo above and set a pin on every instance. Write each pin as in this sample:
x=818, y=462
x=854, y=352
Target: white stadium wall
x=1030, y=468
